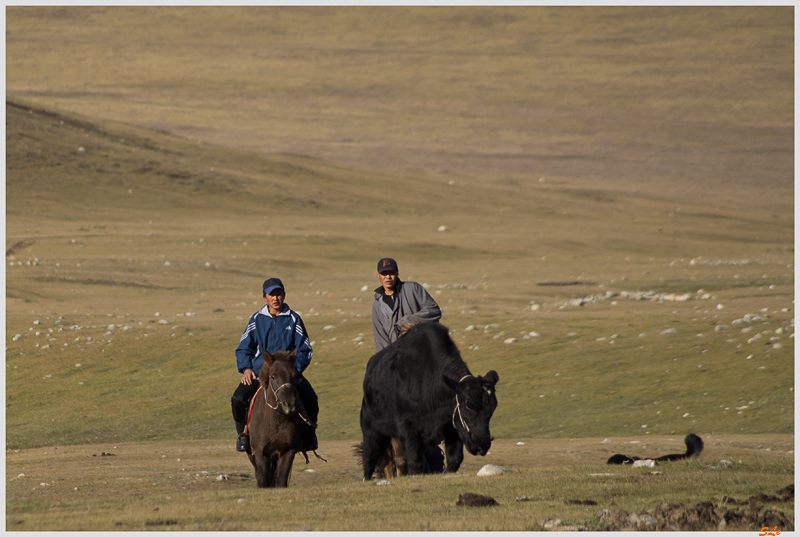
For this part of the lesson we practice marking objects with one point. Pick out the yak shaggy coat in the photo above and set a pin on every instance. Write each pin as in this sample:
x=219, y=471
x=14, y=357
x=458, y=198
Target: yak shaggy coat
x=418, y=389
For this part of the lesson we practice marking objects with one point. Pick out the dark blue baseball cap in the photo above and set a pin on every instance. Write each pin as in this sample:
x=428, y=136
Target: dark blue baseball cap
x=387, y=264
x=272, y=284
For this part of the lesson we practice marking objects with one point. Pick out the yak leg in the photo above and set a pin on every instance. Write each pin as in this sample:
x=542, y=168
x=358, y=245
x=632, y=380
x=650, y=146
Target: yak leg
x=399, y=457
x=374, y=445
x=414, y=448
x=454, y=454
x=284, y=469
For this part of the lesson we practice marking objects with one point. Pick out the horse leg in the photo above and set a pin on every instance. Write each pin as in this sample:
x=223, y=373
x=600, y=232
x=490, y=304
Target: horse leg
x=399, y=457
x=284, y=469
x=272, y=463
x=261, y=464
x=386, y=464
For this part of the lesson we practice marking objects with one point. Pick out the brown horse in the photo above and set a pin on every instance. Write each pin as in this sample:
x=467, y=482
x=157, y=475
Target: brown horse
x=277, y=420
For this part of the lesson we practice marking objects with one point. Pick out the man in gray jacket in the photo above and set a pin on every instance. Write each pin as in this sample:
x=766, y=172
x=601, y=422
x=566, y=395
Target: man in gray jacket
x=398, y=305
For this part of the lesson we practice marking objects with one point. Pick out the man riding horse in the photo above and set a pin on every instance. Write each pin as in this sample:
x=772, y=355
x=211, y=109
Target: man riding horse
x=273, y=328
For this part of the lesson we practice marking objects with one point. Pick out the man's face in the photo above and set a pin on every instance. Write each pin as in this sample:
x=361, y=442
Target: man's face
x=275, y=300
x=388, y=280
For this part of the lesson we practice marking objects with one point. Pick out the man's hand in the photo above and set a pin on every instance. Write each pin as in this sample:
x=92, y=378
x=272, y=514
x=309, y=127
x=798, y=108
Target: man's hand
x=248, y=377
x=406, y=327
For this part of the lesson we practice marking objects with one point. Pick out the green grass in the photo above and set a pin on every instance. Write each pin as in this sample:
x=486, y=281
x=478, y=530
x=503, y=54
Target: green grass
x=202, y=486
x=152, y=175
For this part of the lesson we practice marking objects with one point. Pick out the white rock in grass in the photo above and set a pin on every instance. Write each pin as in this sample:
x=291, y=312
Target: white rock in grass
x=383, y=482
x=492, y=469
x=647, y=463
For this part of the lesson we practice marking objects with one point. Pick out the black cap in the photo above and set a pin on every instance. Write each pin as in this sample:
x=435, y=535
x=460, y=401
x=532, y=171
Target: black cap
x=387, y=264
x=272, y=284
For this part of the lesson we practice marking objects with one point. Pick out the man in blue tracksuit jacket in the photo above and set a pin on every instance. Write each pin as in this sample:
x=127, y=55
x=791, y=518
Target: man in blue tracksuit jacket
x=273, y=328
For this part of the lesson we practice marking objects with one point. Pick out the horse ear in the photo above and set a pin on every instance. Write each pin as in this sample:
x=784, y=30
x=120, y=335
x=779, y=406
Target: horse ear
x=292, y=356
x=491, y=377
x=268, y=359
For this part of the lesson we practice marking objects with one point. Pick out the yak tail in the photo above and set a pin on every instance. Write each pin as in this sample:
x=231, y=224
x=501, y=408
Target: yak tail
x=619, y=458
x=358, y=451
x=694, y=446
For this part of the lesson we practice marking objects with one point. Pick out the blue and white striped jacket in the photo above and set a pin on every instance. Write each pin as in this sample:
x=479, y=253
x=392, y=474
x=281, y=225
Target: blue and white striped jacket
x=284, y=332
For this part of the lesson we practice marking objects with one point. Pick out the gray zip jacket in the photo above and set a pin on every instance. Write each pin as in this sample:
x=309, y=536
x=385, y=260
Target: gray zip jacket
x=412, y=303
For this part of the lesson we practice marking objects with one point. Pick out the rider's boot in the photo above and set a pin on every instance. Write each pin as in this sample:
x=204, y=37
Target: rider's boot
x=243, y=440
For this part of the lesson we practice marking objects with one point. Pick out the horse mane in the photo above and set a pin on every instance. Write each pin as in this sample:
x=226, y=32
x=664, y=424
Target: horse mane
x=281, y=356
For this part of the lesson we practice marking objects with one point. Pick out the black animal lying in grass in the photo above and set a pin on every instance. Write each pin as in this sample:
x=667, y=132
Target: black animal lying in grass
x=694, y=446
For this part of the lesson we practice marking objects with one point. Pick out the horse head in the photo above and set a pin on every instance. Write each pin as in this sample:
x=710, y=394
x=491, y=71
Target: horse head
x=279, y=379
x=474, y=405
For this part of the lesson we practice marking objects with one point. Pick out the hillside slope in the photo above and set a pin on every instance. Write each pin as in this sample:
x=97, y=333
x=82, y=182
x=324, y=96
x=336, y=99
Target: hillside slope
x=134, y=259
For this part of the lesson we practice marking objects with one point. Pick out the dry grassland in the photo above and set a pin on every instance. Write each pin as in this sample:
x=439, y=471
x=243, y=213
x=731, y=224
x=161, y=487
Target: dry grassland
x=600, y=199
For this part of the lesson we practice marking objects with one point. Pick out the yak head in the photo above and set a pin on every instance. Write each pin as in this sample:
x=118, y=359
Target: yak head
x=279, y=378
x=475, y=402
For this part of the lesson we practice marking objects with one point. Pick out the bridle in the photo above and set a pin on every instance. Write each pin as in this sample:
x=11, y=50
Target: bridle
x=457, y=410
x=278, y=401
x=275, y=392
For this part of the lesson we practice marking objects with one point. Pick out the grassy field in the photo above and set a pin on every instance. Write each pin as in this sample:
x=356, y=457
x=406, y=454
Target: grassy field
x=600, y=199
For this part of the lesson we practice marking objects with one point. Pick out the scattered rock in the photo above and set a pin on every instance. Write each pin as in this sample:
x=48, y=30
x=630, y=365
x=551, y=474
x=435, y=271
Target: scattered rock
x=491, y=469
x=557, y=525
x=469, y=499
